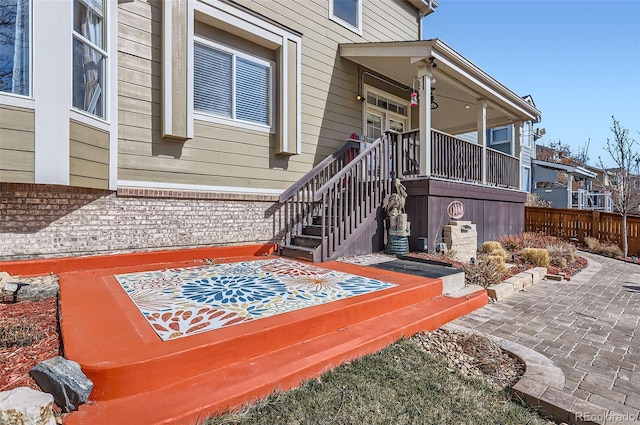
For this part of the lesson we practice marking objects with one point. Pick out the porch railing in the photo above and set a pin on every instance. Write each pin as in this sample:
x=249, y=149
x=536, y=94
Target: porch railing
x=298, y=199
x=591, y=200
x=503, y=170
x=453, y=159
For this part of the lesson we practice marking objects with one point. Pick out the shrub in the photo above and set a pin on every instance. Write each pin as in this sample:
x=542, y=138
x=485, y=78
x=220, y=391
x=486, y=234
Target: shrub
x=606, y=248
x=537, y=256
x=562, y=254
x=17, y=333
x=494, y=248
x=498, y=260
x=533, y=200
x=485, y=271
x=527, y=240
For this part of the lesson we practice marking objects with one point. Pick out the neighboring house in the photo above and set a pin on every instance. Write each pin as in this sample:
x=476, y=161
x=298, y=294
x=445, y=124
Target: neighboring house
x=614, y=174
x=569, y=186
x=136, y=124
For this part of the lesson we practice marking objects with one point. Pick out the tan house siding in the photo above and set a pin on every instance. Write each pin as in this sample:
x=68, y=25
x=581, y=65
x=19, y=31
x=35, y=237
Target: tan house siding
x=88, y=156
x=17, y=144
x=220, y=155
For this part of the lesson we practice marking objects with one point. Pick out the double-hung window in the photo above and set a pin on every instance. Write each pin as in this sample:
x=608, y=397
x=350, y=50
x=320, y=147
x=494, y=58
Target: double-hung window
x=347, y=13
x=15, y=56
x=231, y=84
x=89, y=57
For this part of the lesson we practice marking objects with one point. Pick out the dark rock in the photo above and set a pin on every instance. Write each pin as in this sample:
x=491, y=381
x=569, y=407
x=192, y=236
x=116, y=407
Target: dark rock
x=64, y=380
x=38, y=288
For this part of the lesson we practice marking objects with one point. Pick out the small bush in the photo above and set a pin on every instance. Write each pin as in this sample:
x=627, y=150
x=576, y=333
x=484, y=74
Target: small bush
x=494, y=248
x=498, y=260
x=528, y=240
x=533, y=200
x=607, y=249
x=17, y=333
x=485, y=271
x=450, y=254
x=562, y=254
x=537, y=256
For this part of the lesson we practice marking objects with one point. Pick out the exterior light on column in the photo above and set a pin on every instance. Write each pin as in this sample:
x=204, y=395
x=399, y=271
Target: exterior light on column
x=414, y=99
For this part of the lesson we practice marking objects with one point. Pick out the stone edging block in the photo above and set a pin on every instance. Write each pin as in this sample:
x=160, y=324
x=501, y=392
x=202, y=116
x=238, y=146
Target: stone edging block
x=542, y=384
x=516, y=283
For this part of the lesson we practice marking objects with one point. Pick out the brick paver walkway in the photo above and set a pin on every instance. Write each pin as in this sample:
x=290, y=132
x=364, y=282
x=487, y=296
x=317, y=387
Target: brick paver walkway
x=589, y=327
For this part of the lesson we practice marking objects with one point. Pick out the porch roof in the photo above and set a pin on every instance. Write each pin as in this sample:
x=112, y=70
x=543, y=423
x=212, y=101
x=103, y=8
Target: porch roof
x=570, y=169
x=459, y=85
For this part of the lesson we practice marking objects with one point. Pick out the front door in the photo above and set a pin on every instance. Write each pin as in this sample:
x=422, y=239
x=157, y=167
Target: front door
x=384, y=112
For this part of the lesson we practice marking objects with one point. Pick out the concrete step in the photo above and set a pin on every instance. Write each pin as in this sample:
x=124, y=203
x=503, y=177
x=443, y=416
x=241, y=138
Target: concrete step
x=190, y=399
x=466, y=291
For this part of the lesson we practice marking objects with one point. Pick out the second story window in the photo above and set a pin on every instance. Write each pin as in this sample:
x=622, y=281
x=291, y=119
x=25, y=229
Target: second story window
x=15, y=57
x=347, y=13
x=89, y=57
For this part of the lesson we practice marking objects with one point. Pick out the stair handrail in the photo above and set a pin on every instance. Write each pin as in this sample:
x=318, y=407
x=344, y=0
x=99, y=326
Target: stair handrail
x=315, y=171
x=354, y=196
x=347, y=168
x=299, y=206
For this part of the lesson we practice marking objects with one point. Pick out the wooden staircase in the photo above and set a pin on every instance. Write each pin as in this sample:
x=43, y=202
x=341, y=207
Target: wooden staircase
x=337, y=208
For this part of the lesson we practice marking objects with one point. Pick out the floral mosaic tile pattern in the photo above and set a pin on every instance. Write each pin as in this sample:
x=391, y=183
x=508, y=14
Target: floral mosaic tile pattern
x=186, y=301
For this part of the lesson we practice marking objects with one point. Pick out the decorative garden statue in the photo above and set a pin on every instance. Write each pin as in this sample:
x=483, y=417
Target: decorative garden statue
x=399, y=228
x=395, y=205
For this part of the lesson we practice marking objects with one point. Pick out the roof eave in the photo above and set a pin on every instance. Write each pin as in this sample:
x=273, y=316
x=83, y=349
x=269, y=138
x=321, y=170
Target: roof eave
x=441, y=47
x=425, y=7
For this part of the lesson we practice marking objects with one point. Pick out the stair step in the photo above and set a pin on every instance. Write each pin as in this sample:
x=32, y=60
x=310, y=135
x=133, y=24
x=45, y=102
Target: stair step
x=190, y=400
x=307, y=241
x=466, y=291
x=300, y=253
x=314, y=230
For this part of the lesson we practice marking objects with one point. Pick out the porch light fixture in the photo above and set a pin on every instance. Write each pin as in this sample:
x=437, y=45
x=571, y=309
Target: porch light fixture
x=414, y=99
x=434, y=105
x=414, y=92
x=360, y=98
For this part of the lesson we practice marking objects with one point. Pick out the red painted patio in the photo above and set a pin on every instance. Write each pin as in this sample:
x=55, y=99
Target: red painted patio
x=140, y=379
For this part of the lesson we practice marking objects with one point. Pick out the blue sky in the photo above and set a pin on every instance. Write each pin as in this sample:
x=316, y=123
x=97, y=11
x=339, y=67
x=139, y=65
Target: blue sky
x=579, y=59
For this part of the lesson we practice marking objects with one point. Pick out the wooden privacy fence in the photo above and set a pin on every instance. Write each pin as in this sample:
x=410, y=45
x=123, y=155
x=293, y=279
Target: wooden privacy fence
x=579, y=224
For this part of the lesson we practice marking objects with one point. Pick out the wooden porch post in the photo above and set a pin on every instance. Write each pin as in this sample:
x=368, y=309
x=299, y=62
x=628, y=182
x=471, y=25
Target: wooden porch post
x=482, y=135
x=569, y=190
x=425, y=121
x=516, y=147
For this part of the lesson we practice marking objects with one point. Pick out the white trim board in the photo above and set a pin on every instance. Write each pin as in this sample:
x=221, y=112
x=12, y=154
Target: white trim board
x=196, y=187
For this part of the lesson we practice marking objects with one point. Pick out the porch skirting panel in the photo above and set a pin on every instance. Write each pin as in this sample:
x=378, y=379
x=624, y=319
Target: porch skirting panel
x=495, y=212
x=58, y=221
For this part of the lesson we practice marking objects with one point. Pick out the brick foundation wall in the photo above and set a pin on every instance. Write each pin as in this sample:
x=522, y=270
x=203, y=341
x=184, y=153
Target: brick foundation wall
x=53, y=221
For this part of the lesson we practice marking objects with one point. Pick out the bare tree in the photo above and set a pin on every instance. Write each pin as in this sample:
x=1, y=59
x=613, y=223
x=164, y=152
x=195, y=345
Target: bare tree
x=627, y=159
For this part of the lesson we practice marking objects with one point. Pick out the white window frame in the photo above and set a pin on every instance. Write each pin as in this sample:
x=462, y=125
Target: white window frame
x=22, y=100
x=233, y=121
x=356, y=29
x=271, y=35
x=80, y=114
x=386, y=113
x=500, y=142
x=522, y=182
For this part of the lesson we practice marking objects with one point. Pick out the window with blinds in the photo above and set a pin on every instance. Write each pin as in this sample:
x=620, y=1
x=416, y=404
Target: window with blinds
x=231, y=84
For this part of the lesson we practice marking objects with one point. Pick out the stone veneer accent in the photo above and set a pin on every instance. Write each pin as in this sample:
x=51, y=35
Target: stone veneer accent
x=53, y=221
